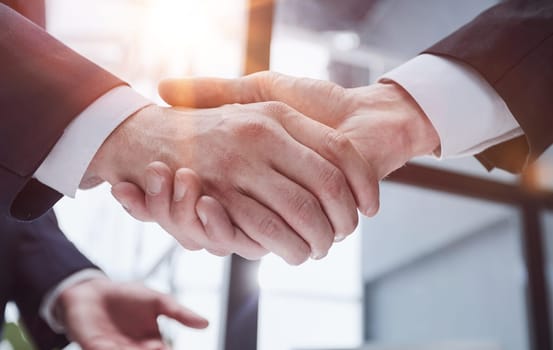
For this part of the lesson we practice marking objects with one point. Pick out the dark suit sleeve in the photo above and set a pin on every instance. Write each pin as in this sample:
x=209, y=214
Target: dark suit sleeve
x=43, y=258
x=45, y=85
x=511, y=45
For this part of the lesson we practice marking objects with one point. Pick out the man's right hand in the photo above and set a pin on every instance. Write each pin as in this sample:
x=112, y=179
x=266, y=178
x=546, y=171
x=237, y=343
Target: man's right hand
x=384, y=123
x=289, y=184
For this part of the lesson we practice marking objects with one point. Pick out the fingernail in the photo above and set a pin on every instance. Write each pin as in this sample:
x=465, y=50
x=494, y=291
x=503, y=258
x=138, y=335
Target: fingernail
x=368, y=212
x=127, y=209
x=339, y=237
x=180, y=191
x=317, y=256
x=203, y=217
x=154, y=183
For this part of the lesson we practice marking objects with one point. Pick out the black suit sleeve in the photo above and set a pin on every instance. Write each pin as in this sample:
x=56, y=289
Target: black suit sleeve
x=511, y=45
x=43, y=258
x=45, y=85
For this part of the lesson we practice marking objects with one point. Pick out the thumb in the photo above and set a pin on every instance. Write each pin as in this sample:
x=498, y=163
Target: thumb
x=321, y=100
x=201, y=92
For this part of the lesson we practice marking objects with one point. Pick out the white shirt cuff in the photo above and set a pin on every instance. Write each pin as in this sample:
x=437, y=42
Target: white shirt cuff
x=48, y=305
x=65, y=166
x=467, y=113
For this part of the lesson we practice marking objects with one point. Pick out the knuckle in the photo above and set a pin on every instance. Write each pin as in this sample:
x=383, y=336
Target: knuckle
x=308, y=213
x=215, y=239
x=335, y=91
x=337, y=143
x=277, y=108
x=270, y=227
x=262, y=83
x=333, y=181
x=331, y=91
x=230, y=161
x=265, y=76
x=253, y=127
x=305, y=208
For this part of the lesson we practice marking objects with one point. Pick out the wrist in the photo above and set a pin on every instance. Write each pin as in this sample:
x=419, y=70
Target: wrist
x=394, y=127
x=74, y=294
x=127, y=150
x=420, y=136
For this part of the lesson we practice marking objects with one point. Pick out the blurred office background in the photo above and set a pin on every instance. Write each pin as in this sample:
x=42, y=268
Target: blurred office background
x=430, y=268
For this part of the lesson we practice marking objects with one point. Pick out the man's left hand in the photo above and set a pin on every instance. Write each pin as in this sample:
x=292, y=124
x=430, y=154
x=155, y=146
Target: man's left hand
x=101, y=314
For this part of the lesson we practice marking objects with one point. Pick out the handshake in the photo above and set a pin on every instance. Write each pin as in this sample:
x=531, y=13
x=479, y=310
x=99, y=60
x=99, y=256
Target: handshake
x=264, y=163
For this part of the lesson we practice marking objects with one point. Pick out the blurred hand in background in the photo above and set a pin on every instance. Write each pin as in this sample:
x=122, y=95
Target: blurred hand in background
x=100, y=314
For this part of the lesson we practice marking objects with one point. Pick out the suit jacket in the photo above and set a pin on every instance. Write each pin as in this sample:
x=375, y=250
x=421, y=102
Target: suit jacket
x=511, y=45
x=45, y=85
x=34, y=258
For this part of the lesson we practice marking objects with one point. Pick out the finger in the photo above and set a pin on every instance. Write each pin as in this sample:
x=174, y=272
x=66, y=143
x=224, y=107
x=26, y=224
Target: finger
x=328, y=185
x=187, y=228
x=302, y=165
x=170, y=308
x=268, y=229
x=191, y=93
x=214, y=217
x=148, y=344
x=159, y=198
x=322, y=100
x=154, y=344
x=190, y=224
x=100, y=344
x=338, y=149
x=298, y=207
x=132, y=198
x=206, y=220
x=303, y=95
x=158, y=183
x=186, y=192
x=134, y=346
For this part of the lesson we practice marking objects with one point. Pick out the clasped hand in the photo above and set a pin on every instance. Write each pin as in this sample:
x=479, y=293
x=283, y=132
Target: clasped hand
x=248, y=178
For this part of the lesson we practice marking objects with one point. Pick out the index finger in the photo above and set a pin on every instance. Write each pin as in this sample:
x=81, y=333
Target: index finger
x=170, y=308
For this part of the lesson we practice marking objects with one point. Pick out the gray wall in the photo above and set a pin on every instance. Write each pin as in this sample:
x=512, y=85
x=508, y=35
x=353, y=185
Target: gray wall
x=437, y=267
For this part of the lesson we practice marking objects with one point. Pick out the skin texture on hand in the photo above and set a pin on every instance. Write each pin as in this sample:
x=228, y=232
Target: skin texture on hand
x=176, y=206
x=289, y=184
x=100, y=314
x=382, y=121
